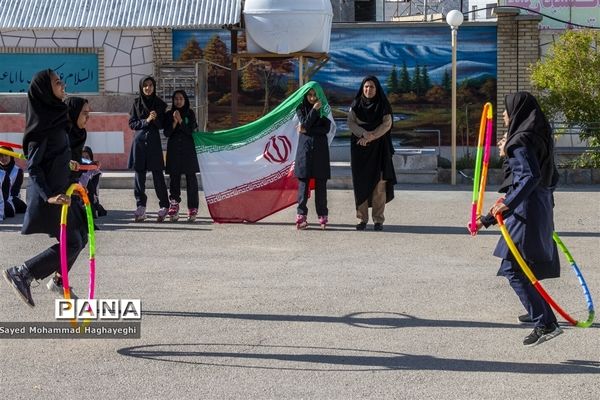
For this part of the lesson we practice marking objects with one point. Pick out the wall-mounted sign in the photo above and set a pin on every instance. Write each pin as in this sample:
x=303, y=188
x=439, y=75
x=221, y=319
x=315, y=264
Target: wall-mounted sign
x=78, y=71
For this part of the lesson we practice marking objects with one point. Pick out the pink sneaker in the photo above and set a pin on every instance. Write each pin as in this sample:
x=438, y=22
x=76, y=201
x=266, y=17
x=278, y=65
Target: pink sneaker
x=173, y=212
x=301, y=222
x=192, y=213
x=323, y=220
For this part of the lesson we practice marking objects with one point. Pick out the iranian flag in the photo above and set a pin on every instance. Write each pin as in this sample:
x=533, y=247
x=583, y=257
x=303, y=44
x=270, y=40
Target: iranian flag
x=248, y=172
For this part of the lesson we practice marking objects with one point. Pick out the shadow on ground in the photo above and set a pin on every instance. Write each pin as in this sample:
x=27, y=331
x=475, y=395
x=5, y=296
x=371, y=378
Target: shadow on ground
x=328, y=359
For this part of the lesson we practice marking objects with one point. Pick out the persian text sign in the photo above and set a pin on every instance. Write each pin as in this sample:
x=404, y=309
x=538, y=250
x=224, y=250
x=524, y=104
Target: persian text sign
x=78, y=71
x=583, y=12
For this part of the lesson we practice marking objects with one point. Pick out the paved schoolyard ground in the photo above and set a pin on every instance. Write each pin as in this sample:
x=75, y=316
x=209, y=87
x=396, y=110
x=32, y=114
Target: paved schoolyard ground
x=264, y=311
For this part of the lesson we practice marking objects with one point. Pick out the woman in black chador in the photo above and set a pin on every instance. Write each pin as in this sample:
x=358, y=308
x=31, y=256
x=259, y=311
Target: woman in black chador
x=180, y=123
x=46, y=145
x=11, y=179
x=91, y=181
x=528, y=209
x=79, y=112
x=371, y=150
x=146, y=119
x=312, y=158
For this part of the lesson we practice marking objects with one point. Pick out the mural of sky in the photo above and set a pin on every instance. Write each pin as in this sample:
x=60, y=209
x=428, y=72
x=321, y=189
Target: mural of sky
x=356, y=52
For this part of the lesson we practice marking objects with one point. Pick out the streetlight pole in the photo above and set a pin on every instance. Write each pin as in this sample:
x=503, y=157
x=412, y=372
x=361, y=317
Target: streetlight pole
x=454, y=19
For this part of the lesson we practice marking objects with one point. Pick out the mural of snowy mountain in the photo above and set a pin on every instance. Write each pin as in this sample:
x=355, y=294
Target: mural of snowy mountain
x=355, y=53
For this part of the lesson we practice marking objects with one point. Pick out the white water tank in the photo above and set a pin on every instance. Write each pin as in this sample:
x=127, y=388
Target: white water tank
x=288, y=26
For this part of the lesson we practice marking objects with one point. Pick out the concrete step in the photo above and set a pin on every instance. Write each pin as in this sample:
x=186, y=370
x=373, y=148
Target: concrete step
x=341, y=178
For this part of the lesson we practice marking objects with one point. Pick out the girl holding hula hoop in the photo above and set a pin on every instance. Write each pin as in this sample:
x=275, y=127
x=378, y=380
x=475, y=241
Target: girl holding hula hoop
x=46, y=146
x=530, y=179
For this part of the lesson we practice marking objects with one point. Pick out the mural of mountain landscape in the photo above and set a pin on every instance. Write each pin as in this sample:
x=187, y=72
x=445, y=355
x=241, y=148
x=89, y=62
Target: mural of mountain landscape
x=356, y=52
x=413, y=64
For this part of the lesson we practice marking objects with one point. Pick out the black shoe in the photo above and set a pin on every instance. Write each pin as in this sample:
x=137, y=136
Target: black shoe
x=542, y=334
x=361, y=226
x=378, y=226
x=525, y=318
x=101, y=211
x=20, y=284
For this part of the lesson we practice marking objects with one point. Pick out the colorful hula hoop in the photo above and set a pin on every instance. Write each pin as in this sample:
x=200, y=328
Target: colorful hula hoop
x=538, y=286
x=12, y=153
x=484, y=145
x=64, y=270
x=82, y=167
x=87, y=167
x=13, y=145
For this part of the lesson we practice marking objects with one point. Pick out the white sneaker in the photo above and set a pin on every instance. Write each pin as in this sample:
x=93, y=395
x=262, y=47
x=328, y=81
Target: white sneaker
x=55, y=285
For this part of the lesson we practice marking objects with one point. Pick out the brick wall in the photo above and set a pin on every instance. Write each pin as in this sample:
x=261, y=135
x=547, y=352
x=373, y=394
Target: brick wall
x=518, y=48
x=162, y=40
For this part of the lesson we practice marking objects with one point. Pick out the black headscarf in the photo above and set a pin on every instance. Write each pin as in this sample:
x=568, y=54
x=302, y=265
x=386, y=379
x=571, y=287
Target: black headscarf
x=188, y=117
x=77, y=135
x=45, y=112
x=5, y=184
x=144, y=104
x=11, y=163
x=305, y=107
x=529, y=127
x=88, y=149
x=186, y=105
x=371, y=111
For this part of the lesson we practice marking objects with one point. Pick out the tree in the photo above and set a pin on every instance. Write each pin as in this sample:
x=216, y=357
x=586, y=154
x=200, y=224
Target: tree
x=425, y=79
x=192, y=51
x=417, y=81
x=446, y=81
x=488, y=90
x=217, y=53
x=292, y=86
x=436, y=95
x=274, y=74
x=268, y=76
x=392, y=82
x=569, y=82
x=251, y=79
x=242, y=42
x=404, y=81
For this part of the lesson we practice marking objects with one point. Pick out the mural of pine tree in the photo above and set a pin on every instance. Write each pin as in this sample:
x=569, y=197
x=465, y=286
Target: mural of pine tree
x=425, y=79
x=404, y=81
x=192, y=51
x=446, y=82
x=392, y=81
x=251, y=79
x=216, y=52
x=417, y=81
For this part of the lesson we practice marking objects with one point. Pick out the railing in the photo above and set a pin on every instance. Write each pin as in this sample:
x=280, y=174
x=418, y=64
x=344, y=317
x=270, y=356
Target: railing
x=188, y=76
x=567, y=138
x=411, y=142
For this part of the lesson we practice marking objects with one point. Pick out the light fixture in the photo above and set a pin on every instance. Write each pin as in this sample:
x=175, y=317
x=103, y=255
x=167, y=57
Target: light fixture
x=454, y=19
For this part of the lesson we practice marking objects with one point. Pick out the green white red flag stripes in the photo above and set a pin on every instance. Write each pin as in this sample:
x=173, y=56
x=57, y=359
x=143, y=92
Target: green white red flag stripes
x=248, y=172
